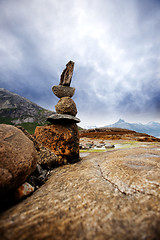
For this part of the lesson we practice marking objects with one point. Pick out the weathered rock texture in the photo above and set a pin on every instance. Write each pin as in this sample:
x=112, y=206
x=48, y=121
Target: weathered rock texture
x=47, y=158
x=67, y=73
x=18, y=157
x=63, y=91
x=113, y=195
x=62, y=139
x=66, y=106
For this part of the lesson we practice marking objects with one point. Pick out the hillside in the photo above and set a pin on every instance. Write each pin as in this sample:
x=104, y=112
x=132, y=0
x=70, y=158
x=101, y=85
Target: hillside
x=151, y=128
x=111, y=133
x=17, y=110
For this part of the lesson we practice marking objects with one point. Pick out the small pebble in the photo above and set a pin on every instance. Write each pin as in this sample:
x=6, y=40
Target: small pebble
x=24, y=190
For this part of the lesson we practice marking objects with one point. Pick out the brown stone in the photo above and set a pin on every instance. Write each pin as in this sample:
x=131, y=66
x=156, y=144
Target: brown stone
x=62, y=139
x=66, y=106
x=18, y=157
x=63, y=91
x=47, y=159
x=117, y=134
x=66, y=75
x=103, y=197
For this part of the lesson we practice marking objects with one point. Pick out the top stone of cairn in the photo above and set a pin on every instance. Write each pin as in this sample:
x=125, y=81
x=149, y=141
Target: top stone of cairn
x=67, y=73
x=64, y=89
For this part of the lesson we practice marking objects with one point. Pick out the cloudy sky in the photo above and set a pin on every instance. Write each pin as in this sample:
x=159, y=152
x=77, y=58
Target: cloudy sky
x=115, y=45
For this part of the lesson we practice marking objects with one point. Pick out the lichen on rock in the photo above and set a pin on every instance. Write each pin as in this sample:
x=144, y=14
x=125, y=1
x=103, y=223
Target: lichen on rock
x=61, y=139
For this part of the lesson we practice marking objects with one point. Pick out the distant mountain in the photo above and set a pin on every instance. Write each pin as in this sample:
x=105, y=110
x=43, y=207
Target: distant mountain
x=17, y=110
x=151, y=128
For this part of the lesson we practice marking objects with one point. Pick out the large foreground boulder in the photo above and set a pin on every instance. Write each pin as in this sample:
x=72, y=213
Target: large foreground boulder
x=62, y=139
x=18, y=157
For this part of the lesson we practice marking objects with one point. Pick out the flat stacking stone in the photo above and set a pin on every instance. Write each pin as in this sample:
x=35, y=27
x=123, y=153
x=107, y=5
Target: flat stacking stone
x=63, y=91
x=55, y=117
x=66, y=106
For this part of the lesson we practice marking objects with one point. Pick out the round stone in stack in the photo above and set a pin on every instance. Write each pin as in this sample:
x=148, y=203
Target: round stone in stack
x=66, y=106
x=63, y=91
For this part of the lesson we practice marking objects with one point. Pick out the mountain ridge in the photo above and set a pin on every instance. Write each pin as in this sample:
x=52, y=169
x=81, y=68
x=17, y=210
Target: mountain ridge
x=18, y=110
x=151, y=128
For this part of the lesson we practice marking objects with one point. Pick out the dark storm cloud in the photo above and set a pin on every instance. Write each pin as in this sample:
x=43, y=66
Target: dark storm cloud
x=115, y=46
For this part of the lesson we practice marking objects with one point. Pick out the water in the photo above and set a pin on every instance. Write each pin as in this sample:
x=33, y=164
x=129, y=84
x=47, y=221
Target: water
x=84, y=154
x=125, y=145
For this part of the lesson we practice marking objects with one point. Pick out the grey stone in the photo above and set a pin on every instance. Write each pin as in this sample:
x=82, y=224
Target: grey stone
x=55, y=117
x=63, y=91
x=110, y=146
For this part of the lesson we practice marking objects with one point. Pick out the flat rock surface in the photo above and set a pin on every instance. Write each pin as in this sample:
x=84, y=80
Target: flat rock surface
x=109, y=195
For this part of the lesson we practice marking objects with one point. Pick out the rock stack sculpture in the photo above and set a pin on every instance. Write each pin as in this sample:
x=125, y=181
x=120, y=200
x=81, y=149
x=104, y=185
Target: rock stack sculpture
x=61, y=135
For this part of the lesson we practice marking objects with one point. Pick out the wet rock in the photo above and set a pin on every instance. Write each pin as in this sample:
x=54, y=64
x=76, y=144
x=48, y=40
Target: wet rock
x=80, y=146
x=99, y=145
x=66, y=106
x=62, y=118
x=63, y=91
x=18, y=157
x=62, y=139
x=86, y=146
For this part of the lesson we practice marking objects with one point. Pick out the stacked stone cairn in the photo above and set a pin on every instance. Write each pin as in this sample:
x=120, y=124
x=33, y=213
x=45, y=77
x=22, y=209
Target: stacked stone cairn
x=61, y=135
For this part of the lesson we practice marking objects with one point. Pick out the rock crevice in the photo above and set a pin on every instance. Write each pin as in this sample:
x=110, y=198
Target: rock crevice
x=113, y=184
